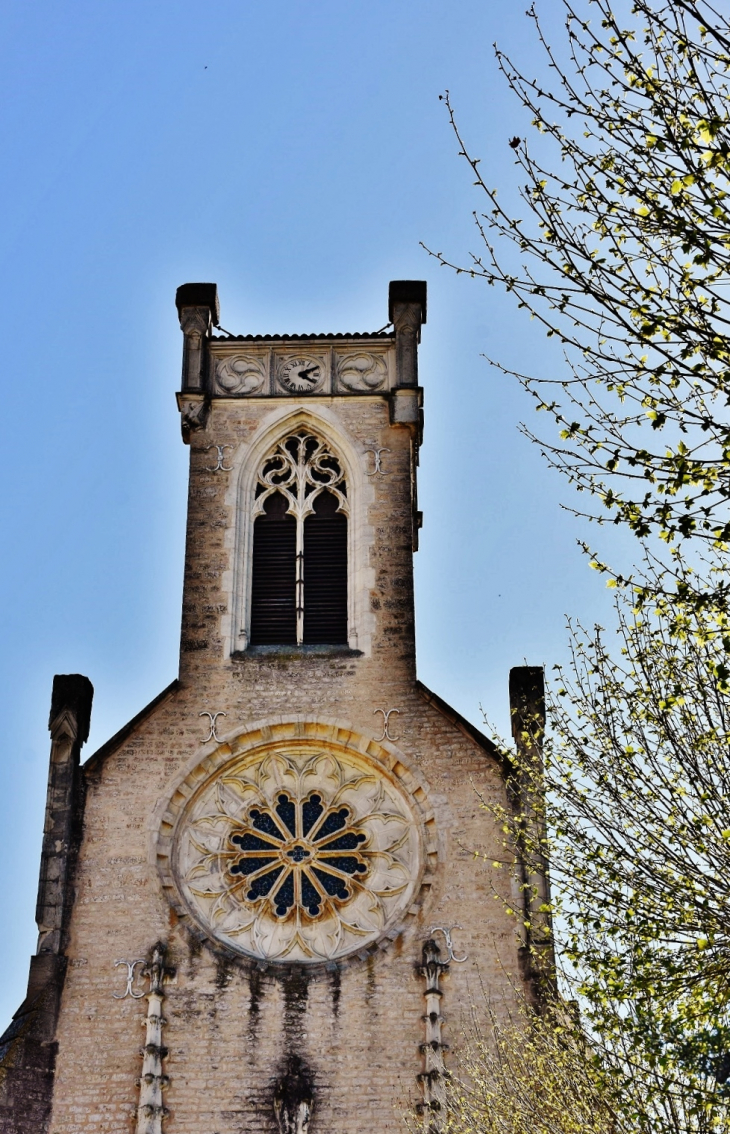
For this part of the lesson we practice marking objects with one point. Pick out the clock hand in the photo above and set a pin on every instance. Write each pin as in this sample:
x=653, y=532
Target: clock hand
x=306, y=374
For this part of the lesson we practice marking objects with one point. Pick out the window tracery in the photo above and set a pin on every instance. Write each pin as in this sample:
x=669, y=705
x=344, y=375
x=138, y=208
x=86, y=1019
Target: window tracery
x=300, y=468
x=298, y=855
x=299, y=591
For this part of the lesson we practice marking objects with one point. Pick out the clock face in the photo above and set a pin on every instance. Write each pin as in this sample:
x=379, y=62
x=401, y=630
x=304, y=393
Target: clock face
x=301, y=375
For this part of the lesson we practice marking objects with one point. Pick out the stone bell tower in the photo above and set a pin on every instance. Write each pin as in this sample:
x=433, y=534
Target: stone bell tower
x=260, y=906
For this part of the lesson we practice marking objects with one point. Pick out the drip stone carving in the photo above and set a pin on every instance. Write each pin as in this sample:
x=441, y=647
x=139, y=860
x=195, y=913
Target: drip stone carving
x=240, y=375
x=293, y=1099
x=362, y=372
x=194, y=415
x=297, y=854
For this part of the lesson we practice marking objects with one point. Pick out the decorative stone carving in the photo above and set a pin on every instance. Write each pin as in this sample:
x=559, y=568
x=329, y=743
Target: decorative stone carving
x=432, y=1076
x=300, y=467
x=153, y=1082
x=293, y=1099
x=240, y=374
x=297, y=854
x=301, y=375
x=193, y=415
x=362, y=372
x=195, y=322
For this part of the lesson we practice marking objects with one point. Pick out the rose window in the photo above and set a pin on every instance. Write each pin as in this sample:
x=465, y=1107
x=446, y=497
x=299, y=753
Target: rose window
x=298, y=854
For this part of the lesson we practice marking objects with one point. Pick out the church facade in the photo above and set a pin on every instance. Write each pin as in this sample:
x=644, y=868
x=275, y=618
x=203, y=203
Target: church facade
x=267, y=903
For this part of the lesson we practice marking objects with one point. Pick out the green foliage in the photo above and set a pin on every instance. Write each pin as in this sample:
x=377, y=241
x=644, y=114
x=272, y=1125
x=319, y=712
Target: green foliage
x=530, y=1074
x=623, y=256
x=631, y=799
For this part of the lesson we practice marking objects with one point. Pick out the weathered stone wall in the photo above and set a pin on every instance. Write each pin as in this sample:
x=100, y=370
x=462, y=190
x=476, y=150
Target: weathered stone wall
x=231, y=1025
x=234, y=1025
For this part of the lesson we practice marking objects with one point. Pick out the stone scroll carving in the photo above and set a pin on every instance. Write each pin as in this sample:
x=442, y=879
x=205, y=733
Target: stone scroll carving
x=362, y=372
x=241, y=374
x=297, y=855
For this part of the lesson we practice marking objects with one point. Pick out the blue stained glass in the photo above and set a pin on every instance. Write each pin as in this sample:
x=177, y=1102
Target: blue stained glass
x=347, y=863
x=335, y=887
x=251, y=865
x=349, y=841
x=285, y=811
x=248, y=841
x=311, y=899
x=334, y=822
x=312, y=808
x=260, y=887
x=315, y=840
x=262, y=821
x=284, y=899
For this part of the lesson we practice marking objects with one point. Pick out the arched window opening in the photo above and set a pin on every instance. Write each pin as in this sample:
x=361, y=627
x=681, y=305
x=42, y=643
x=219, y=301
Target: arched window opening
x=325, y=572
x=273, y=606
x=299, y=588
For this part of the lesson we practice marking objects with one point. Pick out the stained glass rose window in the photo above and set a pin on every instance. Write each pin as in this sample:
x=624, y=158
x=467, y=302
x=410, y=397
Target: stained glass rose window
x=297, y=854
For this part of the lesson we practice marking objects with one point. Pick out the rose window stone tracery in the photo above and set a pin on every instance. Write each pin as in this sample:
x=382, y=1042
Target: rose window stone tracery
x=293, y=855
x=297, y=854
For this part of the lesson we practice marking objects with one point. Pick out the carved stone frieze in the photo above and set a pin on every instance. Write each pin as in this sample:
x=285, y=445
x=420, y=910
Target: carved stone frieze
x=241, y=374
x=362, y=372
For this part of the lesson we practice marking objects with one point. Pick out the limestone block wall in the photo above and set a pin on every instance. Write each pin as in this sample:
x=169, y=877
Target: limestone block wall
x=234, y=1025
x=219, y=528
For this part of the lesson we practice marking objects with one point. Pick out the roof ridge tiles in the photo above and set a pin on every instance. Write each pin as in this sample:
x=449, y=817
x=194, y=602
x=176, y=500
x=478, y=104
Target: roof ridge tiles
x=328, y=335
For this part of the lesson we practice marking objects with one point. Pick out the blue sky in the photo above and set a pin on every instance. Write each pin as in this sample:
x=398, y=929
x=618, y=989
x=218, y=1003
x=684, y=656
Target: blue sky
x=296, y=154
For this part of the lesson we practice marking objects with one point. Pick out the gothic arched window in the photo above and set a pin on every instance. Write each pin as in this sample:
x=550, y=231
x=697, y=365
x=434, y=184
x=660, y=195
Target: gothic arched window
x=299, y=585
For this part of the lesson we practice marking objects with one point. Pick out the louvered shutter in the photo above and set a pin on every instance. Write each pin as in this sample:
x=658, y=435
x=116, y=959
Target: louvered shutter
x=325, y=574
x=273, y=592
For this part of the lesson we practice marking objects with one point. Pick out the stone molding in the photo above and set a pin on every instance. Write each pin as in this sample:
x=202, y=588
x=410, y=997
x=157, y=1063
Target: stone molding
x=259, y=737
x=246, y=462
